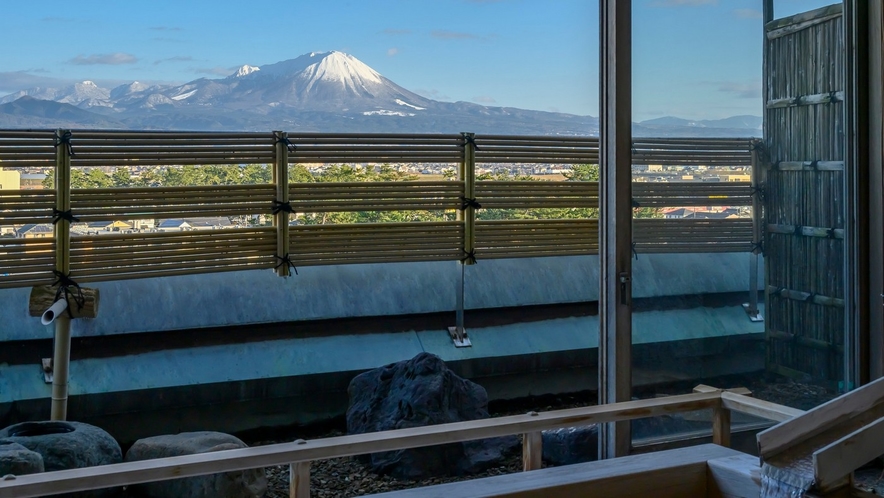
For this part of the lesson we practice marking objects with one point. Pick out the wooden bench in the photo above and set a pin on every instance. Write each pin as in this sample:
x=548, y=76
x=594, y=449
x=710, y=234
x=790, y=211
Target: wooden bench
x=701, y=471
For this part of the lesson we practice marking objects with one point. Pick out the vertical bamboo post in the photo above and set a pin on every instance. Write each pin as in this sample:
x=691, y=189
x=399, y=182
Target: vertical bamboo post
x=467, y=215
x=62, y=354
x=281, y=218
x=532, y=451
x=469, y=178
x=752, y=306
x=299, y=480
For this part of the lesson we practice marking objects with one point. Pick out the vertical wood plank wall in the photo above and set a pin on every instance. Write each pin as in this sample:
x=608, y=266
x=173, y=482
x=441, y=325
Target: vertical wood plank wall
x=805, y=124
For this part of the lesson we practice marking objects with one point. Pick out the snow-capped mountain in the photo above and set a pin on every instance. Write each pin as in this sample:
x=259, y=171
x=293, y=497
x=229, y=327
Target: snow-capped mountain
x=84, y=94
x=328, y=92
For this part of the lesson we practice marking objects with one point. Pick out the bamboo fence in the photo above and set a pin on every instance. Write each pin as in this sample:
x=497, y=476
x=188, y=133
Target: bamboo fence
x=284, y=247
x=804, y=204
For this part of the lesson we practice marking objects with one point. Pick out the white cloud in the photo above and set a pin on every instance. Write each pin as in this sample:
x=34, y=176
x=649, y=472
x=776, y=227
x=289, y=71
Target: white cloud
x=113, y=59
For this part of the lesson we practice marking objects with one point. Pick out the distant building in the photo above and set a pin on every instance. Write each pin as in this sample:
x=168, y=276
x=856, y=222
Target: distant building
x=32, y=181
x=173, y=226
x=10, y=180
x=35, y=231
x=209, y=223
x=109, y=226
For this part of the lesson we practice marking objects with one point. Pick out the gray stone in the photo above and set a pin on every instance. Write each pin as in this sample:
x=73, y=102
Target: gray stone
x=17, y=460
x=250, y=483
x=66, y=445
x=419, y=392
x=570, y=445
x=580, y=444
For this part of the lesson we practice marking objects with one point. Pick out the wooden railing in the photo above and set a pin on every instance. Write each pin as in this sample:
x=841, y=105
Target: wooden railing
x=300, y=453
x=466, y=236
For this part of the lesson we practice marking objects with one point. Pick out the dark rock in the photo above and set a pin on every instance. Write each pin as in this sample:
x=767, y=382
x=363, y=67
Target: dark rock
x=580, y=444
x=415, y=393
x=17, y=460
x=250, y=483
x=571, y=445
x=66, y=445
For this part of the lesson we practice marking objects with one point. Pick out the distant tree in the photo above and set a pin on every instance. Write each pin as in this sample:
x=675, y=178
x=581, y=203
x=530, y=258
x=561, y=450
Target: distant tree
x=583, y=173
x=98, y=179
x=121, y=177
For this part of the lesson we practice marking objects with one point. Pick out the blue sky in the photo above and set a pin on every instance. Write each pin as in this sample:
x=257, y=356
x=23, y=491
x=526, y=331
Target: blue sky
x=697, y=59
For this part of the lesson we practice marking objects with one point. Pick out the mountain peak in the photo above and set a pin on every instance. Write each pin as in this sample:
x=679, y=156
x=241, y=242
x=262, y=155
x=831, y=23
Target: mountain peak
x=350, y=72
x=245, y=70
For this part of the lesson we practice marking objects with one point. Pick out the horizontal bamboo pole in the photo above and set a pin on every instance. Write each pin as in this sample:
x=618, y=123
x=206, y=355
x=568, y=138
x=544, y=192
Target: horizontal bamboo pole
x=163, y=190
x=27, y=265
x=355, y=259
x=174, y=212
x=44, y=296
x=808, y=166
x=805, y=341
x=448, y=140
x=172, y=237
x=100, y=251
x=815, y=99
x=27, y=281
x=47, y=134
x=112, y=253
x=533, y=252
x=795, y=295
x=113, y=135
x=98, y=274
x=380, y=231
x=186, y=148
x=219, y=256
x=829, y=233
x=580, y=252
x=184, y=198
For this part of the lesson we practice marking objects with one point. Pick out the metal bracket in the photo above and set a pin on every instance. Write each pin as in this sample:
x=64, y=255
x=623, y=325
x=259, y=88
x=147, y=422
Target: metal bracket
x=753, y=316
x=459, y=337
x=47, y=370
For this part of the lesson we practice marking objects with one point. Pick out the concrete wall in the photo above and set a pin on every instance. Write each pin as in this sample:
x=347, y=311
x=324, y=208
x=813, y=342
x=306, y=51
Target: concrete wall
x=322, y=292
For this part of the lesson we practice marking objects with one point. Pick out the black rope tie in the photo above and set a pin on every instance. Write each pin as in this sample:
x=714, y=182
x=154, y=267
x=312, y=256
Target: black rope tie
x=756, y=146
x=65, y=140
x=830, y=233
x=471, y=141
x=634, y=252
x=65, y=285
x=635, y=204
x=469, y=257
x=815, y=165
x=63, y=215
x=809, y=298
x=798, y=230
x=282, y=206
x=757, y=248
x=778, y=291
x=288, y=143
x=285, y=261
x=833, y=98
x=797, y=100
x=469, y=202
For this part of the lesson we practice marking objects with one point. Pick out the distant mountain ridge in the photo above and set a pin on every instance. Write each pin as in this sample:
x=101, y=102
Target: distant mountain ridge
x=321, y=92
